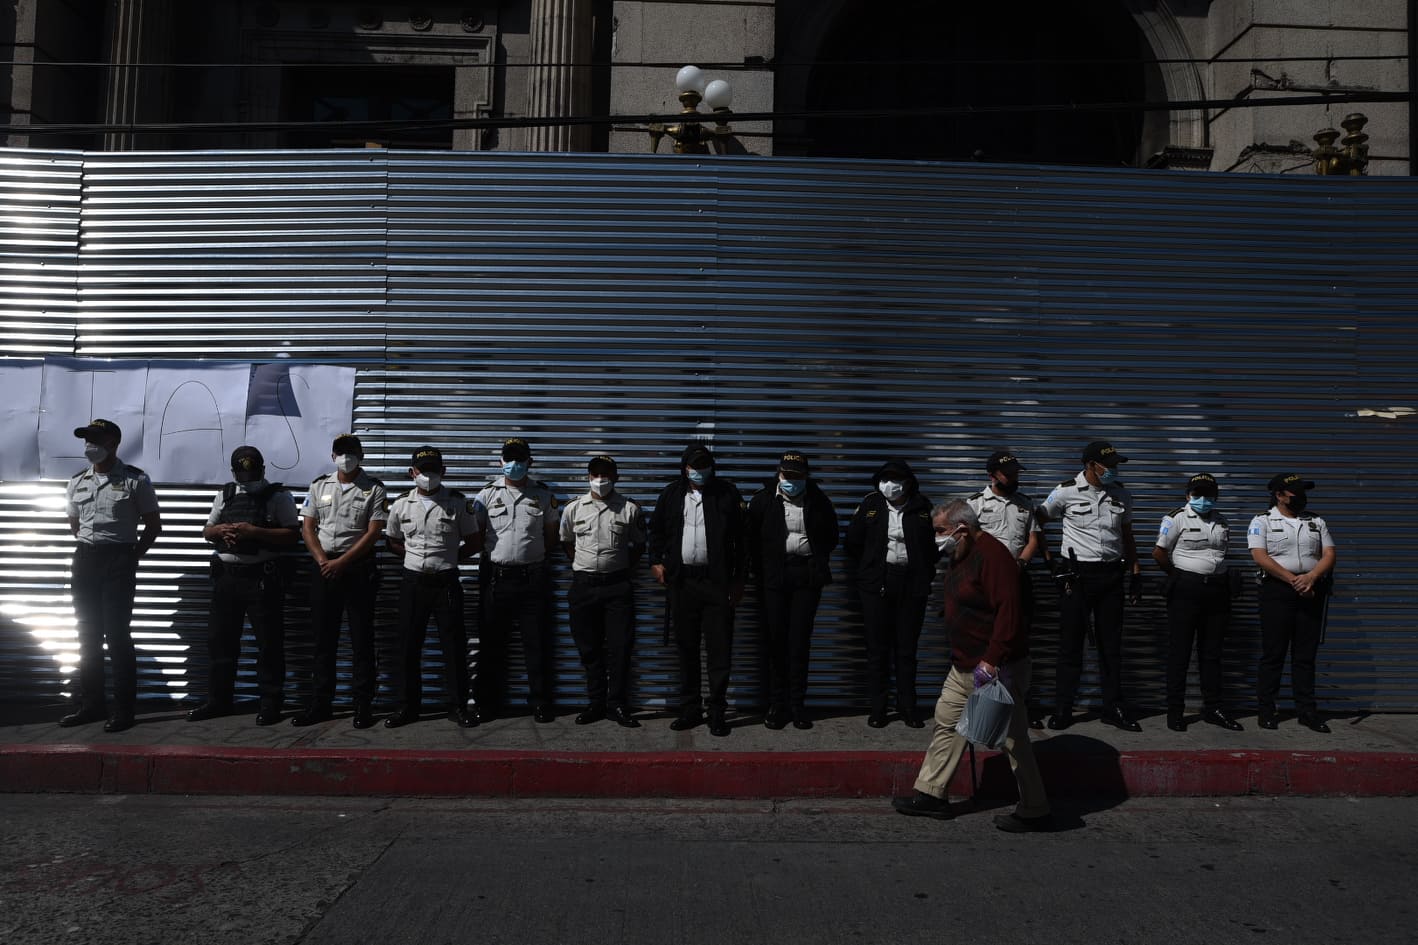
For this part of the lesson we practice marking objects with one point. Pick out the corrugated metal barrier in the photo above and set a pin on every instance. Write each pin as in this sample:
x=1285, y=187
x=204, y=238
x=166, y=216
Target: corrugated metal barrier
x=1238, y=324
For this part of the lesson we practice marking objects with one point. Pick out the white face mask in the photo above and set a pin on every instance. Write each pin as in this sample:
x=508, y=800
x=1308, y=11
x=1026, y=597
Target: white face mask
x=602, y=487
x=94, y=453
x=346, y=463
x=429, y=482
x=891, y=489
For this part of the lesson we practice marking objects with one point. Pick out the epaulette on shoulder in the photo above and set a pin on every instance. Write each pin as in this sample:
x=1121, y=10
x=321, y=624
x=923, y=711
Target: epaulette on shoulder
x=324, y=477
x=1067, y=482
x=455, y=493
x=977, y=495
x=136, y=470
x=1177, y=511
x=81, y=472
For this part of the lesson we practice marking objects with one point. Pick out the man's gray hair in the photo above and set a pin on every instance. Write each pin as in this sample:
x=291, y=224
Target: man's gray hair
x=957, y=513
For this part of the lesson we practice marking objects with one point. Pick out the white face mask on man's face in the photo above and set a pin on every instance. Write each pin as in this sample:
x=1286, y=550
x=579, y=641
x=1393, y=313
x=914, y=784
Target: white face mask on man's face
x=94, y=453
x=602, y=487
x=891, y=489
x=347, y=463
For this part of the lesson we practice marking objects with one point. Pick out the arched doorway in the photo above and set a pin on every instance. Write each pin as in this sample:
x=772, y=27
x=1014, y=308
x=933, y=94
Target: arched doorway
x=1012, y=82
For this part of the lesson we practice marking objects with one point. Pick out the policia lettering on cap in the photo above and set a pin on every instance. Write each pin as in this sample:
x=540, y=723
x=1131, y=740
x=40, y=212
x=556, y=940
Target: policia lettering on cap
x=1096, y=550
x=105, y=503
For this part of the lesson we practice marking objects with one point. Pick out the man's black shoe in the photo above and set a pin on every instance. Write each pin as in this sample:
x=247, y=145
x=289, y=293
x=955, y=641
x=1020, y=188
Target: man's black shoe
x=1269, y=720
x=590, y=714
x=1117, y=717
x=1314, y=723
x=1061, y=720
x=912, y=719
x=877, y=720
x=119, y=721
x=267, y=715
x=401, y=718
x=921, y=804
x=776, y=719
x=463, y=718
x=208, y=710
x=800, y=720
x=485, y=715
x=544, y=714
x=1013, y=823
x=83, y=717
x=1221, y=720
x=1176, y=722
x=621, y=717
x=717, y=726
x=312, y=716
x=363, y=716
x=686, y=721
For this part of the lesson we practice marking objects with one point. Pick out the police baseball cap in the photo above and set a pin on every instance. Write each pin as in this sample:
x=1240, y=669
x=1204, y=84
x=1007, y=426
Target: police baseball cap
x=516, y=448
x=1001, y=458
x=427, y=457
x=1289, y=482
x=697, y=456
x=1203, y=484
x=99, y=429
x=1101, y=451
x=604, y=465
x=347, y=443
x=247, y=459
x=793, y=462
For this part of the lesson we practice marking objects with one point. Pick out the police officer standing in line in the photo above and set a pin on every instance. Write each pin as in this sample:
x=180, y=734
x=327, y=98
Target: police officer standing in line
x=792, y=529
x=431, y=529
x=892, y=544
x=341, y=521
x=604, y=536
x=1096, y=550
x=1296, y=556
x=518, y=519
x=1191, y=548
x=251, y=521
x=105, y=503
x=697, y=551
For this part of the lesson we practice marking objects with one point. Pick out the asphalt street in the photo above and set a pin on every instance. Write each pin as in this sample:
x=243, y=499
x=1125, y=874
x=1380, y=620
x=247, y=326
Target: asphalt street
x=155, y=869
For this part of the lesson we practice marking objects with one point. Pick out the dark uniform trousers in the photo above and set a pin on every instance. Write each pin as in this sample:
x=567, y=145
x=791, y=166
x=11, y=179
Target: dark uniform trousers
x=892, y=618
x=789, y=611
x=518, y=596
x=105, y=578
x=1097, y=593
x=601, y=608
x=242, y=592
x=702, y=613
x=1198, y=611
x=353, y=594
x=440, y=596
x=1288, y=622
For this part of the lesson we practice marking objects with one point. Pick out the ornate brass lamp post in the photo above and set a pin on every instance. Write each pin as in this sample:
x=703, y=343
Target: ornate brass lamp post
x=690, y=134
x=1353, y=158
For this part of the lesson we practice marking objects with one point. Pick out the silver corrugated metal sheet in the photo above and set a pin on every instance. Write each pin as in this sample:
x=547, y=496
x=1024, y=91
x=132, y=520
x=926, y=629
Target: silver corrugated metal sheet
x=855, y=310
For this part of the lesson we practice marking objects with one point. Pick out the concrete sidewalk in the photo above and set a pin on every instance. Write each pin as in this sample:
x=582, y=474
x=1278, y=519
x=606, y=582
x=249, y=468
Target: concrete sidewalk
x=1365, y=755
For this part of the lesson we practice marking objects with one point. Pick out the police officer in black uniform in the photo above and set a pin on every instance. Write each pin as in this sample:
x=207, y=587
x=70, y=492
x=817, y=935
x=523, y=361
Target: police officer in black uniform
x=341, y=521
x=251, y=521
x=891, y=542
x=1191, y=548
x=105, y=504
x=697, y=551
x=792, y=529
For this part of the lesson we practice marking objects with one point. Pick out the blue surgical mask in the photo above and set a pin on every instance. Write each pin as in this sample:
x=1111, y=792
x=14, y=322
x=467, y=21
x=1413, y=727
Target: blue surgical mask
x=1201, y=504
x=792, y=488
x=700, y=476
x=515, y=469
x=1109, y=474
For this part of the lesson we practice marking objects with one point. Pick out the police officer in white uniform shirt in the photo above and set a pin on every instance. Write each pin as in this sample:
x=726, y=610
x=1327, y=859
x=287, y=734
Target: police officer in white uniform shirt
x=341, y=520
x=431, y=528
x=518, y=518
x=105, y=504
x=1296, y=556
x=1191, y=547
x=1096, y=551
x=604, y=535
x=251, y=521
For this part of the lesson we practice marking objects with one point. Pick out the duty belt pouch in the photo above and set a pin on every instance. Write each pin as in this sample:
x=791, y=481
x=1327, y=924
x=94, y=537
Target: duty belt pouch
x=215, y=568
x=1236, y=582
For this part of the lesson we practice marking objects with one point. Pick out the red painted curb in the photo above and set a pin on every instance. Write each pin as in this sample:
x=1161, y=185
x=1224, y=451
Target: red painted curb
x=209, y=770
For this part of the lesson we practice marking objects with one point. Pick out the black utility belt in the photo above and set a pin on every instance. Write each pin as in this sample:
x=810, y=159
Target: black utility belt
x=515, y=571
x=104, y=548
x=698, y=572
x=254, y=567
x=1216, y=577
x=432, y=578
x=600, y=578
x=1098, y=567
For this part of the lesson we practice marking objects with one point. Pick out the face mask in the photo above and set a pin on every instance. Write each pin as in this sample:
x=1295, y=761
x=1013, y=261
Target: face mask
x=699, y=476
x=94, y=453
x=891, y=489
x=602, y=487
x=792, y=488
x=1201, y=504
x=252, y=486
x=515, y=469
x=346, y=463
x=1298, y=502
x=428, y=482
x=1107, y=475
x=946, y=544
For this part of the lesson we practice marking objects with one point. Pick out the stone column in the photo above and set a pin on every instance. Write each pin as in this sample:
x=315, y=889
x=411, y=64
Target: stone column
x=559, y=81
x=138, y=32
